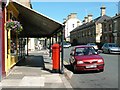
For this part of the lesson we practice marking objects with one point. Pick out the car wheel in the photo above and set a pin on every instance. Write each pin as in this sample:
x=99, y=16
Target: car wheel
x=70, y=62
x=108, y=51
x=101, y=70
x=103, y=51
x=74, y=69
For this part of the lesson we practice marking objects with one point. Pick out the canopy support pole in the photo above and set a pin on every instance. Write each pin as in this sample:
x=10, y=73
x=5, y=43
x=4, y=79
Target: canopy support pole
x=27, y=46
x=62, y=51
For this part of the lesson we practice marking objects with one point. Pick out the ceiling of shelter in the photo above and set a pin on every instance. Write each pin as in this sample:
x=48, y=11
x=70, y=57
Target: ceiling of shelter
x=36, y=24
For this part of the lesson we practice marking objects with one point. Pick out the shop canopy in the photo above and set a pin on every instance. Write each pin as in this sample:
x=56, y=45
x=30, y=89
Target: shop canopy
x=36, y=24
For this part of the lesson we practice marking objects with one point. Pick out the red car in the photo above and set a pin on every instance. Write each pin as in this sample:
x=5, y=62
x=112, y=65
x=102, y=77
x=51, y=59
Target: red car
x=85, y=58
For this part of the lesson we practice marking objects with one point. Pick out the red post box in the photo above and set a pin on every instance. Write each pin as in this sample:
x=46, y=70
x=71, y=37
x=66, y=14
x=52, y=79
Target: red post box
x=56, y=57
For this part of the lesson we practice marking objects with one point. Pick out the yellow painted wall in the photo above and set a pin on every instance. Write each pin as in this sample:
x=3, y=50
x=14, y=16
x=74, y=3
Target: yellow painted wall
x=10, y=60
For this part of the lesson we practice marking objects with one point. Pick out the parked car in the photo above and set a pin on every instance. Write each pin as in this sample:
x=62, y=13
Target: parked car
x=94, y=45
x=66, y=45
x=111, y=48
x=85, y=58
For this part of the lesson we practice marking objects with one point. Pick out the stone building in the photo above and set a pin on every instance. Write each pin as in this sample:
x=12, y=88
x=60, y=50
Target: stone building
x=70, y=23
x=111, y=32
x=90, y=31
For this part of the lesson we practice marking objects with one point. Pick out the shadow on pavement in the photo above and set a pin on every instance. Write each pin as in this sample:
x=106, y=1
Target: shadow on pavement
x=34, y=61
x=69, y=67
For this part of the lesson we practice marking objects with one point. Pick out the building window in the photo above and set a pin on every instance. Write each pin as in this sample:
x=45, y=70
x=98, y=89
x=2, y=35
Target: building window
x=90, y=33
x=110, y=27
x=115, y=26
x=105, y=27
x=73, y=25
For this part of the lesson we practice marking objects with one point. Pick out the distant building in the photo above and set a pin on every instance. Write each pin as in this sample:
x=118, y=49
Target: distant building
x=70, y=23
x=25, y=2
x=111, y=30
x=90, y=31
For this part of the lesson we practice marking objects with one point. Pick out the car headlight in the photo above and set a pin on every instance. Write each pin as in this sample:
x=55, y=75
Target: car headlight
x=100, y=60
x=80, y=62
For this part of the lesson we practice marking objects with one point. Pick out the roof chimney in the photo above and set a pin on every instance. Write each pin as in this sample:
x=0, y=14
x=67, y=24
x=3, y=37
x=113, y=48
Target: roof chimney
x=69, y=17
x=64, y=19
x=78, y=23
x=103, y=10
x=86, y=19
x=89, y=17
x=73, y=15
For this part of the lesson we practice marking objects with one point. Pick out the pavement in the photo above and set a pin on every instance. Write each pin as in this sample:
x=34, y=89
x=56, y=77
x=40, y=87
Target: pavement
x=35, y=72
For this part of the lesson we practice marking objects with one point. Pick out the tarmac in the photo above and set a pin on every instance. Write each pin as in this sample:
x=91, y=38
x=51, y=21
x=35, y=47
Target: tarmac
x=35, y=73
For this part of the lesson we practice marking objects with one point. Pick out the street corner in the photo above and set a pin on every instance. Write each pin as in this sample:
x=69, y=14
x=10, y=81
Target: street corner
x=66, y=82
x=68, y=73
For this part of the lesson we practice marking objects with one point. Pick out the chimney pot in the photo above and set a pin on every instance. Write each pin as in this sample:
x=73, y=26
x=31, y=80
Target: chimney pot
x=73, y=15
x=89, y=17
x=103, y=10
x=69, y=17
x=86, y=19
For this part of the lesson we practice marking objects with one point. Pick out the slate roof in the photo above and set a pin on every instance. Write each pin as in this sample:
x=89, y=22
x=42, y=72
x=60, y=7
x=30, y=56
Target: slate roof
x=89, y=24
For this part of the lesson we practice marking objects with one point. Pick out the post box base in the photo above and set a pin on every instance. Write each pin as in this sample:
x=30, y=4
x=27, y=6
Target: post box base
x=55, y=71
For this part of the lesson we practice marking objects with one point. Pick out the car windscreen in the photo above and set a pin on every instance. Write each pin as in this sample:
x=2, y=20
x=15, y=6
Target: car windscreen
x=85, y=51
x=113, y=45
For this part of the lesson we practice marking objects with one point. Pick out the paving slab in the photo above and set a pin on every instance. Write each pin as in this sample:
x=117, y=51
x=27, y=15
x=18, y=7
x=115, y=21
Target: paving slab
x=26, y=76
x=10, y=82
x=32, y=81
x=54, y=85
x=53, y=78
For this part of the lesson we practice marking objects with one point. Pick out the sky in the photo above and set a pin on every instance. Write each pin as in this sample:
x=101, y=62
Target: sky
x=60, y=10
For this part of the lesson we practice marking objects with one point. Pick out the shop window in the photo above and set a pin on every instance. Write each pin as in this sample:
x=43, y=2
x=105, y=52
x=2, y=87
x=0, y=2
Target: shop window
x=13, y=43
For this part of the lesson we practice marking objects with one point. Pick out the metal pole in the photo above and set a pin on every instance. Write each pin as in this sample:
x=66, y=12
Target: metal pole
x=21, y=47
x=62, y=51
x=50, y=47
x=56, y=38
x=27, y=46
x=45, y=43
x=52, y=41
